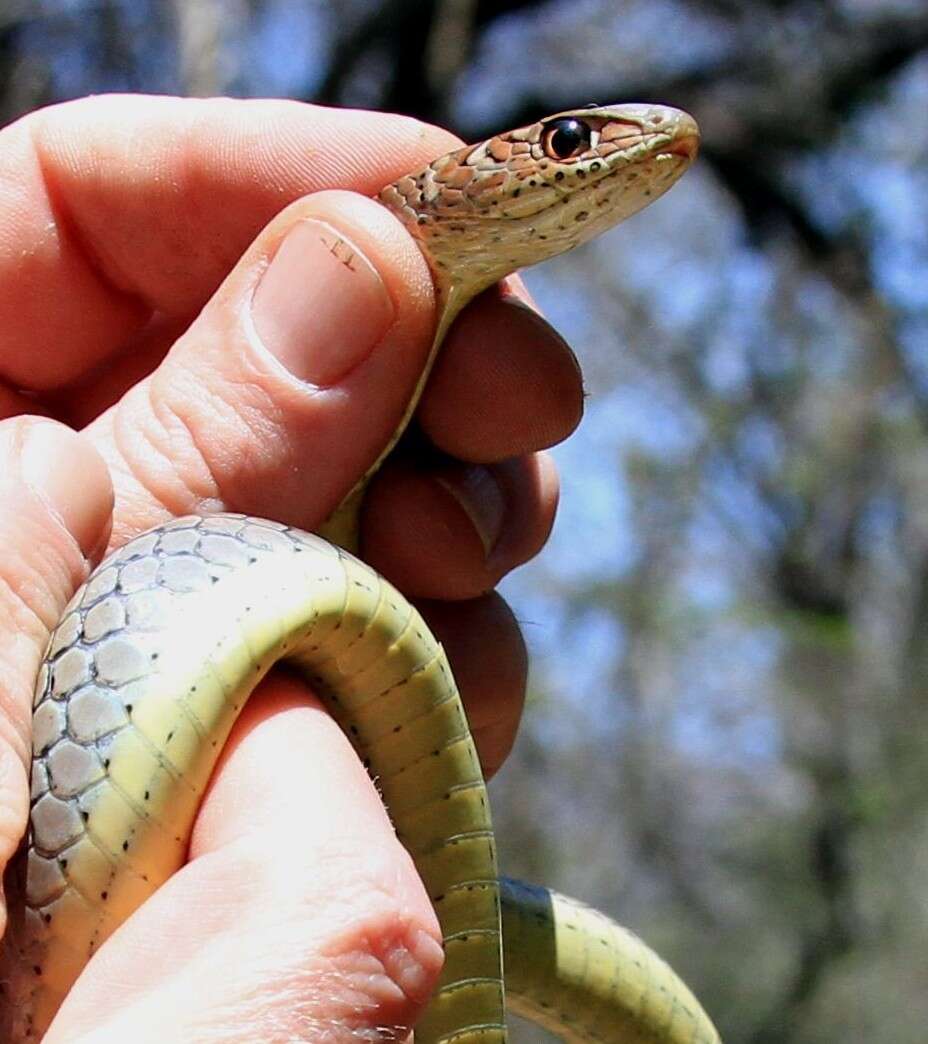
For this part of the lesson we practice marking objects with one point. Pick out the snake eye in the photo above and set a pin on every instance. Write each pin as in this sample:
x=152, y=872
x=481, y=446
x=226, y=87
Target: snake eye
x=566, y=138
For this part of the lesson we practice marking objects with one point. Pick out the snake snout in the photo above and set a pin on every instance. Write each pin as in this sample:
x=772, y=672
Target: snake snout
x=686, y=137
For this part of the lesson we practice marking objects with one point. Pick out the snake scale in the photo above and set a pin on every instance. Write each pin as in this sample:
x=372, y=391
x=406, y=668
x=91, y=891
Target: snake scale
x=157, y=652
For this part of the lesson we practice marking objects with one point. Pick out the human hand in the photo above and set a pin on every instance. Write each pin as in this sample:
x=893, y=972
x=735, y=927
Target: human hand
x=121, y=218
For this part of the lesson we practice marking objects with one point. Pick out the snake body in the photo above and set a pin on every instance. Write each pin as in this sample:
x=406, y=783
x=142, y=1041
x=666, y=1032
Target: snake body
x=157, y=652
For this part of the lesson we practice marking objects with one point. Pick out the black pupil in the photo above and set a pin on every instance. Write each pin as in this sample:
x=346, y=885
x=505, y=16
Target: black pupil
x=568, y=137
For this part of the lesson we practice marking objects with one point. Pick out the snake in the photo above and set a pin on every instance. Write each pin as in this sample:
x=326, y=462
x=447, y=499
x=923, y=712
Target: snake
x=157, y=652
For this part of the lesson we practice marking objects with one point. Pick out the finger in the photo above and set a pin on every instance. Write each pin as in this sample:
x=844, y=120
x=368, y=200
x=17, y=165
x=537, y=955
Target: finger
x=116, y=208
x=299, y=915
x=321, y=330
x=505, y=384
x=454, y=531
x=81, y=402
x=484, y=642
x=55, y=504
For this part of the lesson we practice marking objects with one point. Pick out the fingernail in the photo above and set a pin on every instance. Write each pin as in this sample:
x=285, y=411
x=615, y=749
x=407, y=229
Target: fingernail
x=321, y=306
x=476, y=490
x=71, y=479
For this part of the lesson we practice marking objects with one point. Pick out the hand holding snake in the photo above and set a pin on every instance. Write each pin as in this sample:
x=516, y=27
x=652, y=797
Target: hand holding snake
x=132, y=318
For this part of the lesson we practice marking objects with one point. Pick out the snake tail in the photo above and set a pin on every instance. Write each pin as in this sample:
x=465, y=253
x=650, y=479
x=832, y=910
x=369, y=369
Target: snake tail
x=577, y=973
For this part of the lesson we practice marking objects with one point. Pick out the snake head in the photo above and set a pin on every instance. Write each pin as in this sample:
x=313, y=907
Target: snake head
x=520, y=197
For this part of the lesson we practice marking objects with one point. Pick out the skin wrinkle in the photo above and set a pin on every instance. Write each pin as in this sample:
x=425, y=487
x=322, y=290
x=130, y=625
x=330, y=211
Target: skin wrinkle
x=226, y=398
x=349, y=980
x=69, y=228
x=264, y=422
x=30, y=596
x=15, y=731
x=212, y=471
x=193, y=467
x=129, y=463
x=129, y=431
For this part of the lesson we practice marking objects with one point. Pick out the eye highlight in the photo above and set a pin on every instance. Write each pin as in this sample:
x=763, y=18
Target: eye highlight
x=566, y=138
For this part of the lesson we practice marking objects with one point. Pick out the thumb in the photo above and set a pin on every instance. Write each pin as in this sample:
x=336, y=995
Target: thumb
x=321, y=330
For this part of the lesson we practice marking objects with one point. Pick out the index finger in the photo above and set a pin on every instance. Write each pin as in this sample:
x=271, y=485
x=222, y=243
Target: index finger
x=122, y=207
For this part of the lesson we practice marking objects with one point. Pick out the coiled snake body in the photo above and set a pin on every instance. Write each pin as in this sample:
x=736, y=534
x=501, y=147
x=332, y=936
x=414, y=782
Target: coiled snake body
x=157, y=652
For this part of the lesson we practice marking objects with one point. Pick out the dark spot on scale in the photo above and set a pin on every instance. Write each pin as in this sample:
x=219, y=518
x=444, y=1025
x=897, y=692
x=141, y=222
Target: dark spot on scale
x=106, y=763
x=155, y=655
x=85, y=815
x=147, y=795
x=581, y=173
x=170, y=736
x=125, y=846
x=581, y=215
x=532, y=182
x=47, y=918
x=421, y=219
x=542, y=237
x=128, y=708
x=63, y=863
x=37, y=968
x=397, y=728
x=595, y=165
x=104, y=895
x=214, y=579
x=515, y=193
x=559, y=175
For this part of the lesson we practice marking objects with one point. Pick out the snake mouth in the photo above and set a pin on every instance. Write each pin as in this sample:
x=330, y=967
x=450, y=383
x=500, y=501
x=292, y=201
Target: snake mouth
x=686, y=146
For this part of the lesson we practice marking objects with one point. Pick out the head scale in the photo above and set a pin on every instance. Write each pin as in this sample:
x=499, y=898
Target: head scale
x=520, y=197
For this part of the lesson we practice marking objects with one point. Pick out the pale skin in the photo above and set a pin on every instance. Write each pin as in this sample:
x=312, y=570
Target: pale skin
x=134, y=237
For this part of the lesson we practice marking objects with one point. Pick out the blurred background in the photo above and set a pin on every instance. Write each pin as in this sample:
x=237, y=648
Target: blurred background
x=724, y=746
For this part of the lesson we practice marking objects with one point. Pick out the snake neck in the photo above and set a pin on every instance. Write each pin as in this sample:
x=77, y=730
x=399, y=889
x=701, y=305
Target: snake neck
x=342, y=527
